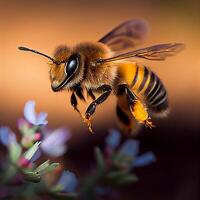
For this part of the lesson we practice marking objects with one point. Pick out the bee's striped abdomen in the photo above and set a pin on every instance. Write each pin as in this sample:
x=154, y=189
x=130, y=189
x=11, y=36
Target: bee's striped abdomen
x=146, y=84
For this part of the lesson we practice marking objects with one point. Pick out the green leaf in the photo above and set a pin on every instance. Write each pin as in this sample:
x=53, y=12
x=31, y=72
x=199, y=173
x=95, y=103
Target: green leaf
x=27, y=142
x=42, y=166
x=30, y=152
x=14, y=152
x=121, y=161
x=127, y=179
x=57, y=188
x=120, y=178
x=48, y=169
x=24, y=129
x=115, y=175
x=99, y=159
x=32, y=177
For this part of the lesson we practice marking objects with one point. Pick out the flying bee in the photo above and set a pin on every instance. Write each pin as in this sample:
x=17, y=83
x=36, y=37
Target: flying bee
x=108, y=67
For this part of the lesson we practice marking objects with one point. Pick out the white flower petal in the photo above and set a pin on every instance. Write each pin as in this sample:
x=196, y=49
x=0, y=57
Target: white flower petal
x=54, y=144
x=61, y=134
x=29, y=112
x=41, y=118
x=53, y=151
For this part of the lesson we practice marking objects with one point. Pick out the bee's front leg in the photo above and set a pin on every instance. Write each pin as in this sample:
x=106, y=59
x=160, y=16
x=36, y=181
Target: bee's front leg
x=106, y=89
x=74, y=103
x=77, y=91
x=124, y=89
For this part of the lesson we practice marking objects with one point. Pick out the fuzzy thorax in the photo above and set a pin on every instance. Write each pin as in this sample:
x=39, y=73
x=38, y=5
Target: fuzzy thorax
x=95, y=74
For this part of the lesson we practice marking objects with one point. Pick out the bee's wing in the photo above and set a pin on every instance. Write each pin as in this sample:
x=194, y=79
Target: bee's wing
x=156, y=52
x=126, y=35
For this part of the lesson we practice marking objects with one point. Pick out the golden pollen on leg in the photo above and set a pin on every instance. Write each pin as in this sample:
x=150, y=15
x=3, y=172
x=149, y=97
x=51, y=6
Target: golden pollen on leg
x=140, y=113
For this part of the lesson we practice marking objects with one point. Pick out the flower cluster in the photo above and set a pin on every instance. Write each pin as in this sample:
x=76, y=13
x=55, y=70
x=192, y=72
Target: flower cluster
x=127, y=155
x=115, y=165
x=35, y=140
x=25, y=174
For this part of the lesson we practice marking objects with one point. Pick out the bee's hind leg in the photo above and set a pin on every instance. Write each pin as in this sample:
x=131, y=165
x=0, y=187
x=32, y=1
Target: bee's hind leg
x=137, y=108
x=106, y=89
x=124, y=89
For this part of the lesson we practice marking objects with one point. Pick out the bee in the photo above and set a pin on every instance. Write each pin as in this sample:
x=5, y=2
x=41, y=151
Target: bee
x=108, y=67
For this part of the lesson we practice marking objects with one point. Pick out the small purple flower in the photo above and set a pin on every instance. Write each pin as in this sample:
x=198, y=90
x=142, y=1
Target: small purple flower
x=144, y=159
x=6, y=136
x=54, y=144
x=130, y=148
x=113, y=139
x=68, y=181
x=127, y=155
x=31, y=116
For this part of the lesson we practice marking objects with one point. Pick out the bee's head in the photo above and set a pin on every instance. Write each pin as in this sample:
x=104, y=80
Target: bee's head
x=66, y=69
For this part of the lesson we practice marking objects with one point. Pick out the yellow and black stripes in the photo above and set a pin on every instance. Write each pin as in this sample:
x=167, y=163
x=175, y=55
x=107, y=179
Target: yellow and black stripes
x=135, y=76
x=144, y=81
x=146, y=84
x=157, y=97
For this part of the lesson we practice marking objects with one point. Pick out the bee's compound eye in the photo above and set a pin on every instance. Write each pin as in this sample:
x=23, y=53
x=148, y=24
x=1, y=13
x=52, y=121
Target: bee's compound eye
x=72, y=65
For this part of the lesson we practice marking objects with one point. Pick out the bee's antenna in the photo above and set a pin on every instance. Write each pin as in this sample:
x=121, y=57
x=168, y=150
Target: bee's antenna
x=37, y=52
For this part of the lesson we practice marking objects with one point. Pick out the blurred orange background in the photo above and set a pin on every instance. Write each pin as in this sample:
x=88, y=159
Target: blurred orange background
x=43, y=25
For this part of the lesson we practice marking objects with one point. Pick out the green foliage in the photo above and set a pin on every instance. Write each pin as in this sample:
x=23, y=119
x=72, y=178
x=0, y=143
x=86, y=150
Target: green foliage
x=32, y=177
x=99, y=159
x=14, y=152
